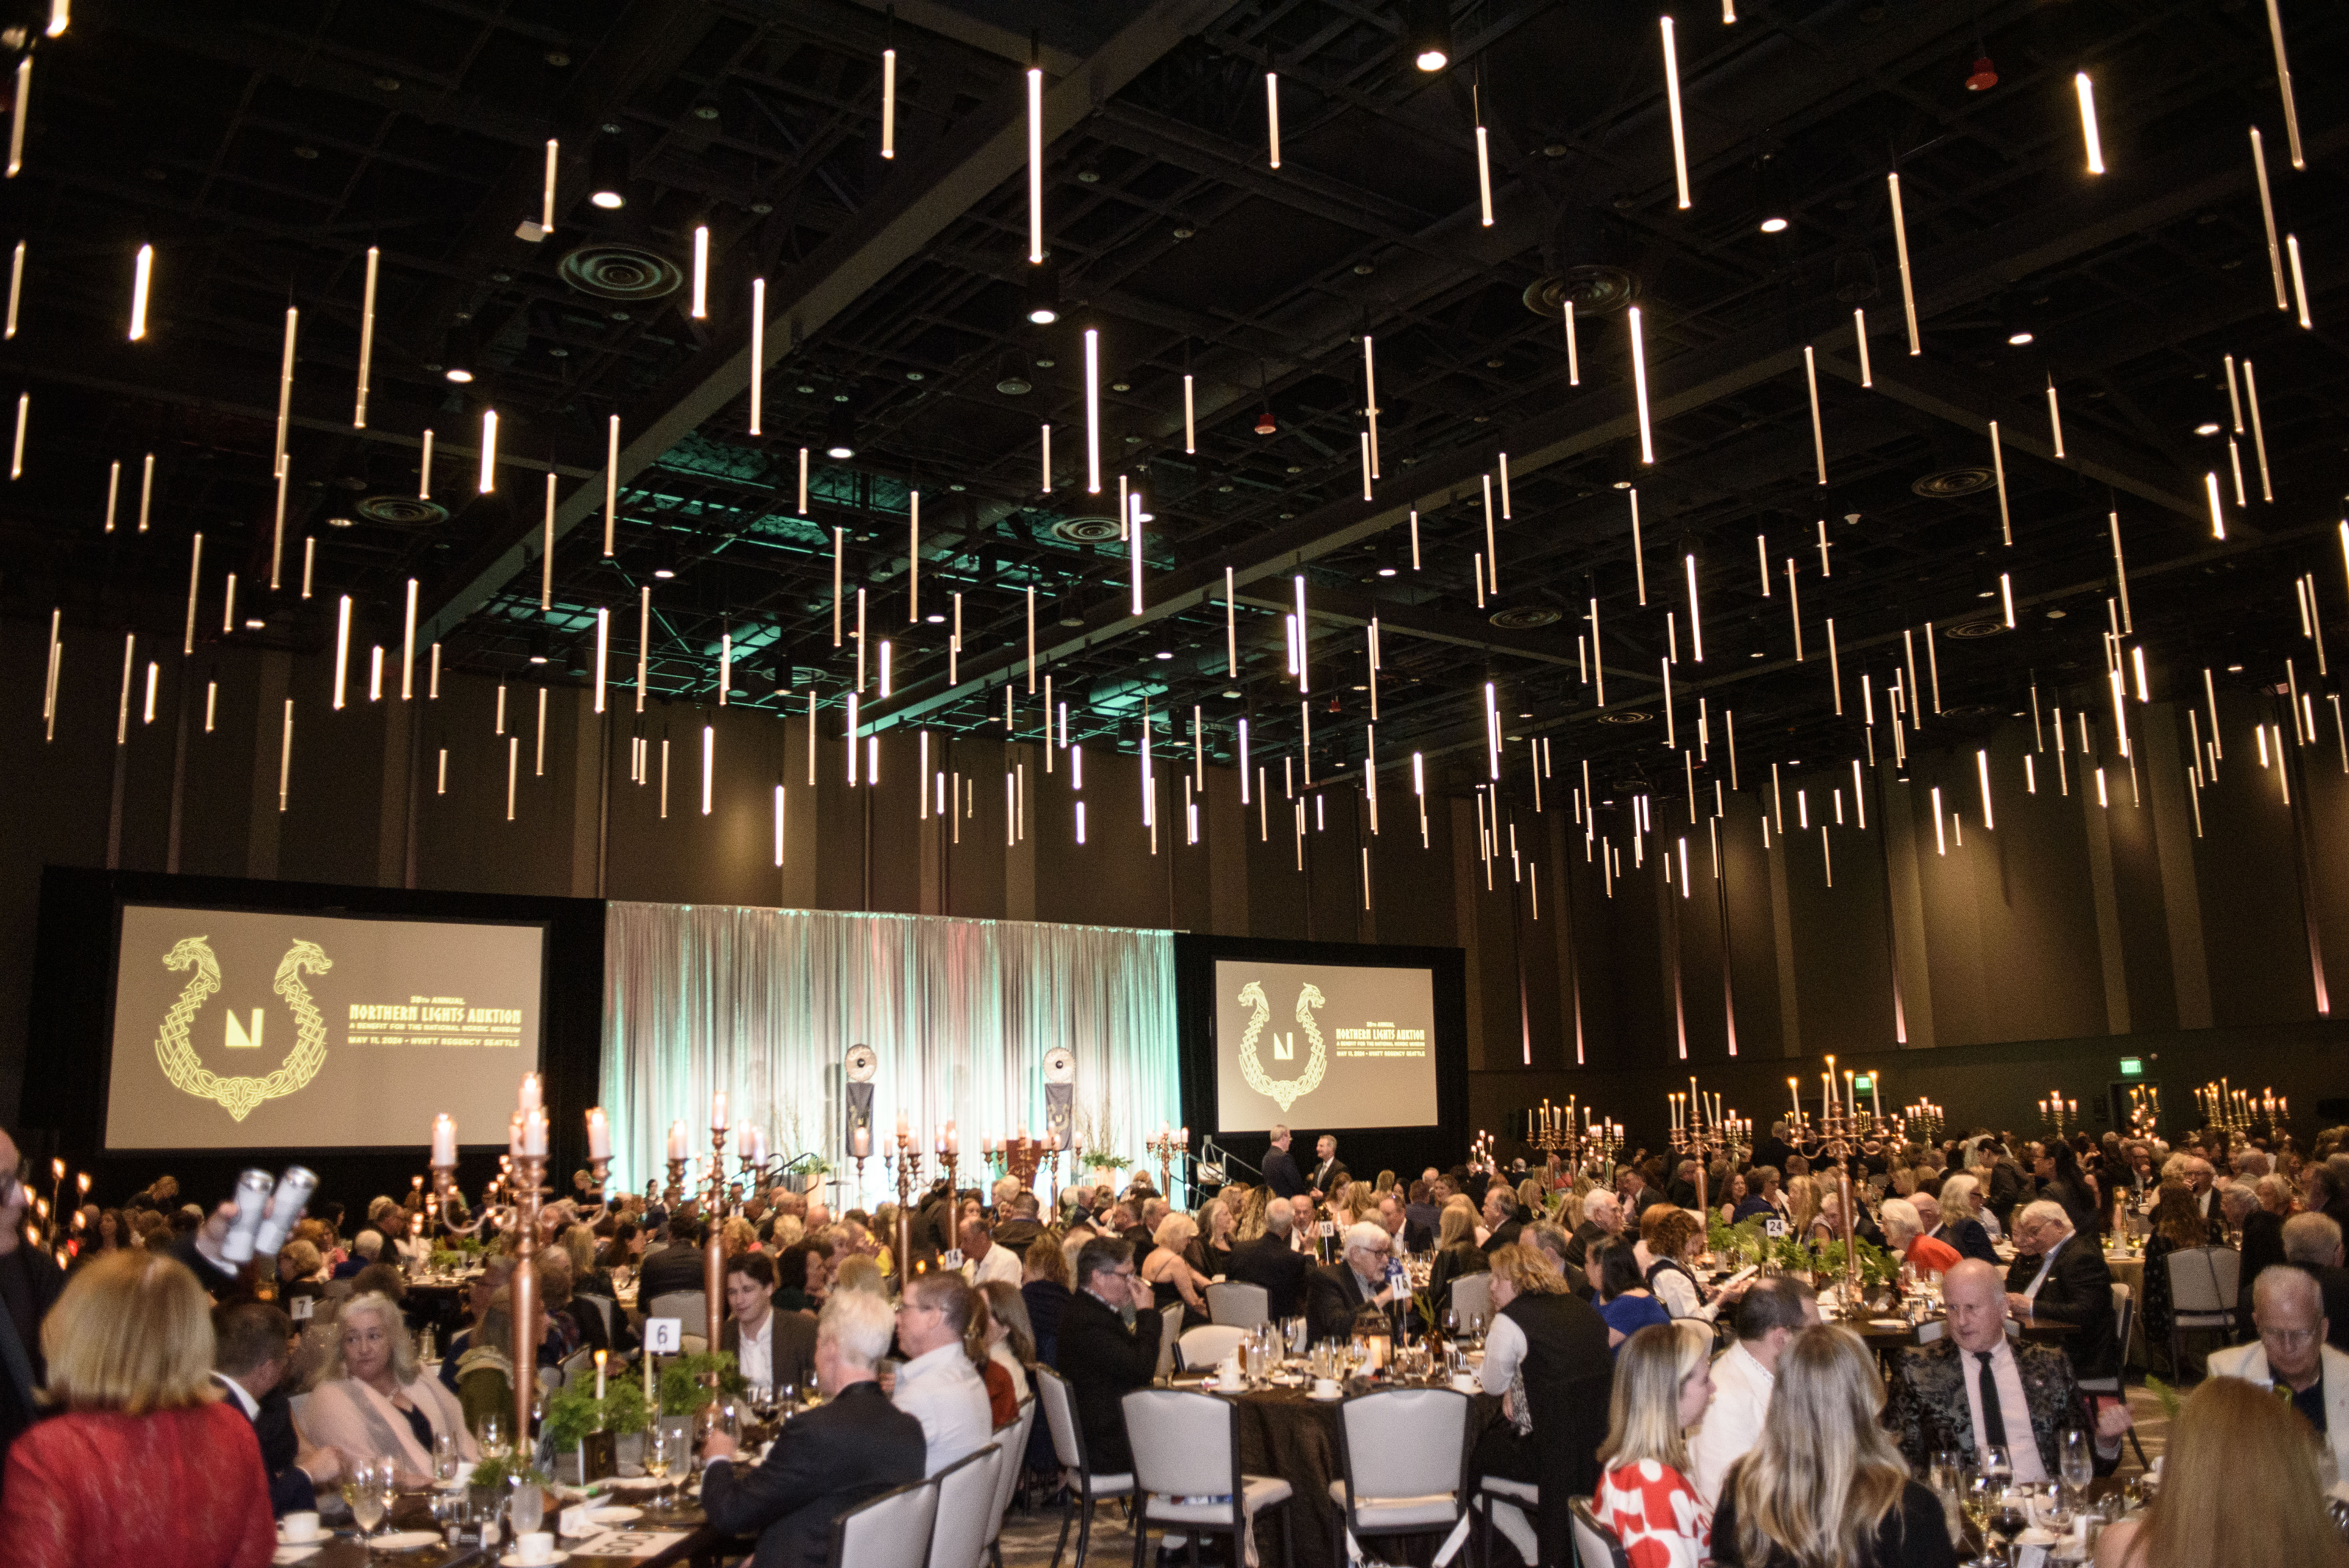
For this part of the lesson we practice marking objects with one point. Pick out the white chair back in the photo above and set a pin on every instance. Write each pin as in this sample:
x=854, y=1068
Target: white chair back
x=1595, y=1545
x=1472, y=1298
x=1240, y=1305
x=2124, y=1319
x=1170, y=1328
x=959, y=1529
x=1208, y=1346
x=1406, y=1442
x=577, y=1363
x=1928, y=1332
x=1183, y=1443
x=1012, y=1438
x=2205, y=1279
x=689, y=1307
x=892, y=1531
x=1059, y=1418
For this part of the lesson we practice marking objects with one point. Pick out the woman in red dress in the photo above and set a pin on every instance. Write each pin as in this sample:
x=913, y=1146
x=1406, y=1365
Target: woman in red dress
x=143, y=1463
x=1663, y=1381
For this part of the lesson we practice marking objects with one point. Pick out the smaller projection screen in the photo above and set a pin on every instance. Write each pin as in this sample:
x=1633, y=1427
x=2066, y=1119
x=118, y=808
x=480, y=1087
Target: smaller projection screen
x=236, y=1028
x=1323, y=1045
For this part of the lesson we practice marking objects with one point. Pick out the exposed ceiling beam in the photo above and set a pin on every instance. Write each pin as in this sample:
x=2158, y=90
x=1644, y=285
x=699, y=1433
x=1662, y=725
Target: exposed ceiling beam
x=893, y=229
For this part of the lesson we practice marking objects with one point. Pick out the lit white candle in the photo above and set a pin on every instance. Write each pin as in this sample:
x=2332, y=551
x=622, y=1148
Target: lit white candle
x=954, y=1139
x=717, y=1122
x=599, y=1377
x=599, y=1135
x=533, y=1134
x=860, y=1142
x=514, y=1135
x=677, y=1147
x=531, y=1098
x=444, y=1140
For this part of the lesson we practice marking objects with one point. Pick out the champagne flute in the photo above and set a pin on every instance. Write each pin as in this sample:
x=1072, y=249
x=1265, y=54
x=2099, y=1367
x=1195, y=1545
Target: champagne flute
x=2077, y=1462
x=658, y=1444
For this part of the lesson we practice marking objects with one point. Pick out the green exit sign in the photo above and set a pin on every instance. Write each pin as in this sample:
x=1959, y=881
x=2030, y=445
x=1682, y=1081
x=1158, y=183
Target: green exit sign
x=2132, y=1067
x=1863, y=1083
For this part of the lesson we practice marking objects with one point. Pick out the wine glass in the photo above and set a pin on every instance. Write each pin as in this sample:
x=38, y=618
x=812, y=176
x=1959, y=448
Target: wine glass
x=444, y=1458
x=660, y=1449
x=370, y=1495
x=492, y=1434
x=2077, y=1462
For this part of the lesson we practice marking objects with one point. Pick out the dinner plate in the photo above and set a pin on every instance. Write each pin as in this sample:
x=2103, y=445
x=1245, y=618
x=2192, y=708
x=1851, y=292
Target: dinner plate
x=513, y=1559
x=614, y=1515
x=1324, y=1399
x=405, y=1540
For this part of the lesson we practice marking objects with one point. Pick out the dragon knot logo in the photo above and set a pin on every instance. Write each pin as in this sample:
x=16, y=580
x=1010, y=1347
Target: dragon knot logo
x=238, y=1095
x=1284, y=1092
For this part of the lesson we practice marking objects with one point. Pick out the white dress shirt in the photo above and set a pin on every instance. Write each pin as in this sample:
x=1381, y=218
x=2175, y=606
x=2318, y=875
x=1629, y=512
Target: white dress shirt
x=755, y=1353
x=1733, y=1422
x=2046, y=1262
x=1000, y=1264
x=236, y=1391
x=941, y=1389
x=2014, y=1410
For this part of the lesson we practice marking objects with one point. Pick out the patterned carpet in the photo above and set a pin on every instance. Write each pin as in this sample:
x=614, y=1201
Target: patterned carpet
x=1029, y=1533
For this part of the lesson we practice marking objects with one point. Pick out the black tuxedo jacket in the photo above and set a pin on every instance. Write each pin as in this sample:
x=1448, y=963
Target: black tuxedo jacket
x=1503, y=1235
x=855, y=1446
x=2078, y=1291
x=1270, y=1261
x=675, y=1267
x=1969, y=1237
x=1332, y=1298
x=1105, y=1360
x=1330, y=1180
x=1282, y=1174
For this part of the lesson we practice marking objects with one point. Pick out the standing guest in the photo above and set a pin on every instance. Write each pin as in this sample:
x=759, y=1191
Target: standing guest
x=2059, y=1277
x=2291, y=1359
x=1108, y=1349
x=1328, y=1175
x=1662, y=1386
x=1044, y=1287
x=1772, y=1313
x=30, y=1283
x=1624, y=1300
x=1773, y=1150
x=1280, y=1171
x=675, y=1267
x=252, y=1353
x=1273, y=1263
x=1546, y=1357
x=1974, y=1388
x=1825, y=1485
x=2177, y=1225
x=141, y=1461
x=770, y=1348
x=2237, y=1488
x=1906, y=1230
x=2061, y=1182
x=854, y=1446
x=939, y=1385
x=375, y=1404
x=1016, y=1224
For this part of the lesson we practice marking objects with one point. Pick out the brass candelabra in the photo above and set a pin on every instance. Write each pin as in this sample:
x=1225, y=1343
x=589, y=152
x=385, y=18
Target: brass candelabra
x=1701, y=1128
x=1589, y=1147
x=2057, y=1113
x=904, y=1162
x=1171, y=1144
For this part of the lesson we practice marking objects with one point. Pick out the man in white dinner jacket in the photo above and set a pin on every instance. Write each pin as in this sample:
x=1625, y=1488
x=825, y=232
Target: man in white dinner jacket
x=2289, y=1310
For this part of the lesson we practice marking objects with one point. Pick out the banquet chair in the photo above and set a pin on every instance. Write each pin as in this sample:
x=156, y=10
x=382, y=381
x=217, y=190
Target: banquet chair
x=689, y=1307
x=1085, y=1489
x=1472, y=1298
x=1012, y=1438
x=1595, y=1545
x=578, y=1363
x=1402, y=1457
x=965, y=1492
x=1187, y=1446
x=2124, y=1321
x=1522, y=1501
x=1201, y=1347
x=1170, y=1330
x=2204, y=1290
x=891, y=1531
x=1241, y=1304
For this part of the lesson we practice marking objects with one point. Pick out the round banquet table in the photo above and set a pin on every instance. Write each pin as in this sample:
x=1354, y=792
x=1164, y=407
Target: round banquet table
x=1284, y=1433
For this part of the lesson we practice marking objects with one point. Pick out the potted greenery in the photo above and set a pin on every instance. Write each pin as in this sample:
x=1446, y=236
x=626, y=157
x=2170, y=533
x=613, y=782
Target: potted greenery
x=575, y=1417
x=496, y=1476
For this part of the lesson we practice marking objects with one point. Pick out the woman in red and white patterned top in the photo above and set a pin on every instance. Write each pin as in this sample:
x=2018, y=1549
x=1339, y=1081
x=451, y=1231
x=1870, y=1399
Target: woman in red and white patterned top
x=1663, y=1381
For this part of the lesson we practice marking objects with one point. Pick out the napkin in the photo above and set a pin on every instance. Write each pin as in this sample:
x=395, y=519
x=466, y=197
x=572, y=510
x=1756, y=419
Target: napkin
x=573, y=1524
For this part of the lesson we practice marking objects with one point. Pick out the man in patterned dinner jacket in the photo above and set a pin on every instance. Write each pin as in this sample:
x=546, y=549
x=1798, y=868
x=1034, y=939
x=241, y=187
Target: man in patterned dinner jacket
x=1938, y=1396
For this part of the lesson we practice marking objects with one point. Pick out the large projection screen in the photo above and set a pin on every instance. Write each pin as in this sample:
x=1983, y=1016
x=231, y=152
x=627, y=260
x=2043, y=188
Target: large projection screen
x=1323, y=1045
x=236, y=1028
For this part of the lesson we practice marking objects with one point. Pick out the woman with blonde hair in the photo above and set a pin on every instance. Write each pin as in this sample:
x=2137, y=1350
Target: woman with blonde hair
x=1384, y=1185
x=142, y=1461
x=1824, y=1487
x=739, y=1236
x=1170, y=1273
x=1546, y=1358
x=1533, y=1203
x=1802, y=1203
x=2238, y=1486
x=376, y=1403
x=1663, y=1381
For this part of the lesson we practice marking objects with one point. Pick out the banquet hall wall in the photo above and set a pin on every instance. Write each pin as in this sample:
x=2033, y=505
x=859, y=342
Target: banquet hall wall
x=2070, y=932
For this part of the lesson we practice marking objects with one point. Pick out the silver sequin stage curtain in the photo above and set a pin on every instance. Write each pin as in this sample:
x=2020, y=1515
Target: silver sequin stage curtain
x=765, y=1002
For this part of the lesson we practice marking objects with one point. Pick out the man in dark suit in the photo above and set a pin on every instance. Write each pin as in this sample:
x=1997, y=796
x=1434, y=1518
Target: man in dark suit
x=1974, y=1386
x=1774, y=1149
x=1501, y=1220
x=1271, y=1262
x=1966, y=1235
x=1328, y=1173
x=1108, y=1349
x=1336, y=1294
x=676, y=1267
x=1280, y=1171
x=1408, y=1237
x=1681, y=1190
x=2060, y=1277
x=1019, y=1233
x=1602, y=1216
x=1631, y=1186
x=252, y=1345
x=854, y=1446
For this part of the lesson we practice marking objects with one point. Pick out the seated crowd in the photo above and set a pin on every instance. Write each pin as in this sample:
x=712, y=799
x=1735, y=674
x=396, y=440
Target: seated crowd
x=1705, y=1425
